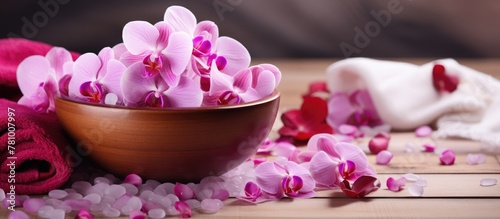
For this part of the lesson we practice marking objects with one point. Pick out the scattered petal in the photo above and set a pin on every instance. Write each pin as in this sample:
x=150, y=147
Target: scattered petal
x=423, y=131
x=396, y=185
x=84, y=214
x=488, y=182
x=447, y=157
x=378, y=143
x=363, y=186
x=384, y=157
x=429, y=147
x=184, y=209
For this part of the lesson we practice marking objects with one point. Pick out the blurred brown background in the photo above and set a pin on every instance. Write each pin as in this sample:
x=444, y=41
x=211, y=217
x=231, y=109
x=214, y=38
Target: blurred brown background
x=278, y=28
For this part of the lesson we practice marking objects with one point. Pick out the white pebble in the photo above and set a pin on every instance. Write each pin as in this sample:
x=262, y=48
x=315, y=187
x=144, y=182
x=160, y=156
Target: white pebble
x=42, y=212
x=115, y=191
x=56, y=214
x=69, y=190
x=111, y=212
x=134, y=203
x=102, y=180
x=107, y=199
x=111, y=178
x=152, y=183
x=66, y=208
x=193, y=203
x=58, y=194
x=173, y=198
x=211, y=205
x=94, y=198
x=146, y=195
x=120, y=202
x=168, y=187
x=73, y=196
x=81, y=186
x=171, y=211
x=99, y=206
x=156, y=213
x=145, y=187
x=162, y=201
x=416, y=190
x=488, y=182
x=53, y=202
x=159, y=190
x=130, y=189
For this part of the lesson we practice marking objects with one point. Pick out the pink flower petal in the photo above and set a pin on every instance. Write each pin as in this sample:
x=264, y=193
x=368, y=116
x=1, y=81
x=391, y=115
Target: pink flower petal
x=128, y=58
x=322, y=142
x=488, y=182
x=85, y=69
x=339, y=109
x=268, y=68
x=137, y=86
x=285, y=149
x=112, y=79
x=447, y=157
x=269, y=178
x=118, y=50
x=140, y=37
x=57, y=57
x=243, y=80
x=346, y=129
x=236, y=54
x=429, y=147
x=265, y=84
x=180, y=18
x=208, y=30
x=474, y=159
x=164, y=30
x=361, y=187
x=178, y=52
x=416, y=190
x=186, y=94
x=423, y=131
x=323, y=170
x=84, y=214
x=353, y=153
x=31, y=72
x=396, y=185
x=384, y=157
x=294, y=169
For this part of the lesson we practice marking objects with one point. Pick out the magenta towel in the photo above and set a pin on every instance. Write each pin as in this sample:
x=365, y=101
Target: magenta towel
x=40, y=147
x=12, y=52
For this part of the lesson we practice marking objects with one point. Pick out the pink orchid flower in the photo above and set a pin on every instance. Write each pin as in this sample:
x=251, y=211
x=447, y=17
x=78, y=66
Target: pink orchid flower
x=289, y=179
x=155, y=92
x=336, y=161
x=95, y=76
x=228, y=55
x=160, y=49
x=355, y=109
x=38, y=78
x=254, y=194
x=246, y=86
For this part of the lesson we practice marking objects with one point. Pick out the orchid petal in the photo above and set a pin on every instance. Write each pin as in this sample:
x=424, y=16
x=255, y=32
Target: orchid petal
x=265, y=83
x=268, y=68
x=339, y=109
x=346, y=129
x=384, y=157
x=285, y=149
x=85, y=69
x=396, y=185
x=112, y=79
x=423, y=131
x=488, y=182
x=128, y=58
x=252, y=191
x=178, y=52
x=416, y=190
x=57, y=57
x=181, y=19
x=186, y=94
x=306, y=156
x=363, y=99
x=243, y=80
x=105, y=55
x=118, y=50
x=353, y=153
x=236, y=54
x=429, y=147
x=184, y=209
x=219, y=82
x=164, y=30
x=136, y=85
x=269, y=178
x=296, y=170
x=31, y=72
x=140, y=37
x=328, y=146
x=316, y=140
x=208, y=30
x=361, y=187
x=377, y=144
x=323, y=170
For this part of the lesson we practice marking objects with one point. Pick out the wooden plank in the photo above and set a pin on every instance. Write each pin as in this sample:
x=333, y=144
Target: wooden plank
x=438, y=185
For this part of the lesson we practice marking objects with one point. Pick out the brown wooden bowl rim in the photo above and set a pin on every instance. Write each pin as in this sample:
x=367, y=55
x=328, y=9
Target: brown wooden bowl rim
x=273, y=96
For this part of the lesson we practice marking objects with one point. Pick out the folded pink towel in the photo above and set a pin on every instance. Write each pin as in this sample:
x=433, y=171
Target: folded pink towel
x=405, y=97
x=40, y=162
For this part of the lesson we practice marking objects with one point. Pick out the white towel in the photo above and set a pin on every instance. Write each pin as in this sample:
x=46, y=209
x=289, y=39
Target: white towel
x=405, y=97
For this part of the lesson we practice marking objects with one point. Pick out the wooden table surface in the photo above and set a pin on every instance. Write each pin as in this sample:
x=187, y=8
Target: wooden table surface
x=452, y=191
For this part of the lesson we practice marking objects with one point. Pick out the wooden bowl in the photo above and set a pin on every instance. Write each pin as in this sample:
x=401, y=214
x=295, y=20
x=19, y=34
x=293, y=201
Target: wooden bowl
x=174, y=145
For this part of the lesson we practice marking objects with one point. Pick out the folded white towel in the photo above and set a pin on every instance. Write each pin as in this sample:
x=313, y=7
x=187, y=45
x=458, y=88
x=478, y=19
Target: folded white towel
x=405, y=97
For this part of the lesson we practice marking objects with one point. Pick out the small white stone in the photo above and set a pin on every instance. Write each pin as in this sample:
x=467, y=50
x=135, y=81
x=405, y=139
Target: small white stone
x=193, y=203
x=42, y=212
x=58, y=194
x=53, y=202
x=81, y=186
x=172, y=198
x=130, y=189
x=99, y=207
x=152, y=183
x=2, y=195
x=64, y=207
x=110, y=212
x=488, y=182
x=56, y=214
x=156, y=213
x=111, y=99
x=102, y=180
x=115, y=191
x=94, y=198
x=211, y=205
x=416, y=190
